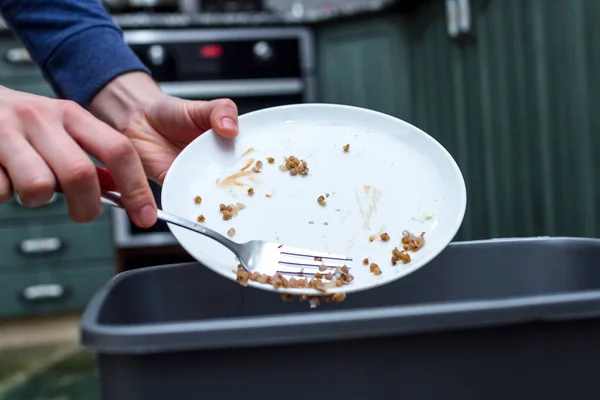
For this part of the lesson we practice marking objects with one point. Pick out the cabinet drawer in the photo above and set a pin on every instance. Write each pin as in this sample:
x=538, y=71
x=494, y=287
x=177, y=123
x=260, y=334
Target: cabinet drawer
x=54, y=243
x=12, y=209
x=40, y=293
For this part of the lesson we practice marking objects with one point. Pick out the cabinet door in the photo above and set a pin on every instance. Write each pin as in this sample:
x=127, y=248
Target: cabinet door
x=365, y=63
x=516, y=103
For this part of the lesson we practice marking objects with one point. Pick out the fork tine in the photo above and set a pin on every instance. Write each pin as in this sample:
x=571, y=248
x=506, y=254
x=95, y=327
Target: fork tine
x=308, y=264
x=284, y=269
x=299, y=272
x=296, y=251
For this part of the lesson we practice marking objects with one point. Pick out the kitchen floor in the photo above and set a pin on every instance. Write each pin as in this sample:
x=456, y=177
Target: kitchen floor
x=42, y=360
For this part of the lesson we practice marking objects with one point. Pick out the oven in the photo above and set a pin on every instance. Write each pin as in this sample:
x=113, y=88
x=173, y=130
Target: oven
x=255, y=67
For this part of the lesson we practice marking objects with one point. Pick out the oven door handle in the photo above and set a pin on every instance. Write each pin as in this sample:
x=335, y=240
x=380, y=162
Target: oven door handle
x=234, y=88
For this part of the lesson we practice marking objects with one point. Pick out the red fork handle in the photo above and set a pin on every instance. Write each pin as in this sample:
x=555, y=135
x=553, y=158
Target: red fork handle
x=107, y=182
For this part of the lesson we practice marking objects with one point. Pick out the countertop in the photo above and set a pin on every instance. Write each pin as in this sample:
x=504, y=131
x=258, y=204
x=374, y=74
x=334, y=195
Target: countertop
x=296, y=16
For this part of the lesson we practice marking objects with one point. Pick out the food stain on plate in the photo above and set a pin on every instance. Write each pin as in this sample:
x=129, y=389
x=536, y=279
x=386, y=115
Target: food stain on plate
x=235, y=179
x=373, y=195
x=248, y=151
x=424, y=218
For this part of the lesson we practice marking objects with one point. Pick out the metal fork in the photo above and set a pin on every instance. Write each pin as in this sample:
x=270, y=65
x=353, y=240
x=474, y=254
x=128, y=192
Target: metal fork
x=255, y=255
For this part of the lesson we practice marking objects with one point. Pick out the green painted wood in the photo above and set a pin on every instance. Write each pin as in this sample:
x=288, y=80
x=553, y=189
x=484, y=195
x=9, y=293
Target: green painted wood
x=365, y=63
x=13, y=210
x=516, y=104
x=79, y=242
x=81, y=282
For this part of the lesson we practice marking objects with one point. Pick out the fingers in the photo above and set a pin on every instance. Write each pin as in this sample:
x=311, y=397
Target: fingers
x=6, y=189
x=30, y=175
x=121, y=160
x=222, y=115
x=74, y=170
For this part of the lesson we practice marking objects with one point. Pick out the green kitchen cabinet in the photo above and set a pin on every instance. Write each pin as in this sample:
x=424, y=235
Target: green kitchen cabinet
x=48, y=263
x=50, y=245
x=365, y=64
x=515, y=102
x=46, y=292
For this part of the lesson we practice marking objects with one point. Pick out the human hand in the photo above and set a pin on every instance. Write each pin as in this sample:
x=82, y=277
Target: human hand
x=43, y=142
x=169, y=124
x=158, y=125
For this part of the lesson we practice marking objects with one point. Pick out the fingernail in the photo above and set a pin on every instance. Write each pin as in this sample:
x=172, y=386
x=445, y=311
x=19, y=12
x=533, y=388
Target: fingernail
x=38, y=201
x=228, y=123
x=147, y=215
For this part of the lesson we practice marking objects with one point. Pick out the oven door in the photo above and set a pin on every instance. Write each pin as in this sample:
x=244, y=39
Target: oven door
x=248, y=96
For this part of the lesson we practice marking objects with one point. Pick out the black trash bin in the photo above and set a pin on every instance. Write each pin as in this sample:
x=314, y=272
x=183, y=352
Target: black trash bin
x=498, y=319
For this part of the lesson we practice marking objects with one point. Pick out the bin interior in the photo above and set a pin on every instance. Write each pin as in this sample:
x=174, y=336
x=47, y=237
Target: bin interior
x=464, y=271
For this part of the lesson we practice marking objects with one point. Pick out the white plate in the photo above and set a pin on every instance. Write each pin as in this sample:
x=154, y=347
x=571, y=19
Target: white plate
x=394, y=177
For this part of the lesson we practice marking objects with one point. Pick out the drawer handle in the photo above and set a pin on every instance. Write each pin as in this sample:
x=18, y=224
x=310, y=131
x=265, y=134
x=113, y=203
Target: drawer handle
x=40, y=245
x=43, y=292
x=52, y=199
x=18, y=55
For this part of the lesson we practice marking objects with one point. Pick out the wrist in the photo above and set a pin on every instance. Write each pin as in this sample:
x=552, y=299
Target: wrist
x=125, y=99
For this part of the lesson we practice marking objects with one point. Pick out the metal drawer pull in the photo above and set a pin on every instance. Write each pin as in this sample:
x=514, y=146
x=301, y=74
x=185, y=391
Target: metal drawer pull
x=41, y=245
x=43, y=292
x=18, y=56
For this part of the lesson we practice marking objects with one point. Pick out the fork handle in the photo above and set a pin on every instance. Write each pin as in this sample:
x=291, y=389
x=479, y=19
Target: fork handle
x=110, y=196
x=114, y=199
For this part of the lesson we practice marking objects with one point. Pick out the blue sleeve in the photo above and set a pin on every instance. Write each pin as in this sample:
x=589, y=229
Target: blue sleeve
x=76, y=43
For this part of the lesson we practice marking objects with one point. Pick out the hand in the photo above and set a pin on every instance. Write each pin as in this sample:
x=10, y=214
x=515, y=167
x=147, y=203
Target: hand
x=169, y=124
x=44, y=141
x=158, y=125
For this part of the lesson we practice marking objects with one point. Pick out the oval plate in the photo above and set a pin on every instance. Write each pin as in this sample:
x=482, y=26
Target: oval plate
x=394, y=177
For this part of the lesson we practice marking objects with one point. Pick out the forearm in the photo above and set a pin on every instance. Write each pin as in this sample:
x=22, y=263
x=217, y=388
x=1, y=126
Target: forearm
x=75, y=42
x=124, y=99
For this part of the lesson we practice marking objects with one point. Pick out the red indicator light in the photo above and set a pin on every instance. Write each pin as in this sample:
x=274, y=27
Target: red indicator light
x=211, y=51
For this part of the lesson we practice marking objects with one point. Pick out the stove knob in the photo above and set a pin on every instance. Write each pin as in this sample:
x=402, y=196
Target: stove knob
x=263, y=51
x=156, y=54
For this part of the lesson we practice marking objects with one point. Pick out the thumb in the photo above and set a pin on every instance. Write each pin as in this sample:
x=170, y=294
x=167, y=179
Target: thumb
x=187, y=119
x=220, y=115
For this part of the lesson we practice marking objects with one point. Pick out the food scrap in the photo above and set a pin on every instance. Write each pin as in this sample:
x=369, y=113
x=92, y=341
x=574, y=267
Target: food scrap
x=314, y=301
x=230, y=210
x=366, y=261
x=375, y=269
x=251, y=192
x=339, y=277
x=197, y=199
x=231, y=232
x=398, y=255
x=295, y=166
x=270, y=160
x=385, y=236
x=201, y=218
x=346, y=148
x=321, y=201
x=412, y=242
x=258, y=166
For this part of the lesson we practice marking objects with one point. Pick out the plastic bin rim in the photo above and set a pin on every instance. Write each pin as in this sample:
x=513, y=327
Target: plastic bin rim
x=356, y=323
